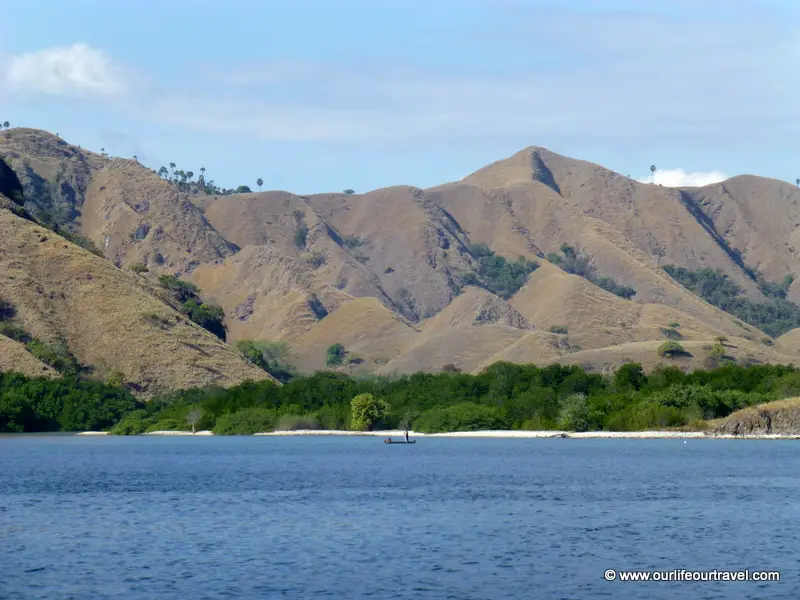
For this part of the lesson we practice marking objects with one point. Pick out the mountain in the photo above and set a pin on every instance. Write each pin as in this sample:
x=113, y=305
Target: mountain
x=535, y=258
x=64, y=308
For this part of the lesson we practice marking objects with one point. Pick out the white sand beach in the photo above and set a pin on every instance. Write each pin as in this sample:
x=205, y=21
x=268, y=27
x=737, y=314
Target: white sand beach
x=495, y=434
x=205, y=432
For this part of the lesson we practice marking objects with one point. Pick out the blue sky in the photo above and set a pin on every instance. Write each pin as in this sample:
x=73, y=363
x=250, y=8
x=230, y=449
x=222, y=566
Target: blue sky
x=323, y=96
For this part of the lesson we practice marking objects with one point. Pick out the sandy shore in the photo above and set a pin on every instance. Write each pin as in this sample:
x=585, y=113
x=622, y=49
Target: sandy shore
x=205, y=432
x=538, y=434
x=498, y=434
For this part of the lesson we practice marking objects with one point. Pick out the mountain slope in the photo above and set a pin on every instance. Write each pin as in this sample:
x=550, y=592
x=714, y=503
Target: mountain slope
x=108, y=319
x=127, y=210
x=403, y=277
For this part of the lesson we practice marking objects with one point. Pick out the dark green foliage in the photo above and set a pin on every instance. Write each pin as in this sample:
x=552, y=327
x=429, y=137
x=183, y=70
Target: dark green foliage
x=496, y=273
x=243, y=189
x=579, y=263
x=352, y=241
x=466, y=416
x=335, y=355
x=273, y=357
x=15, y=332
x=182, y=290
x=316, y=307
x=504, y=396
x=629, y=377
x=208, y=316
x=10, y=186
x=7, y=310
x=60, y=405
x=561, y=329
x=671, y=333
x=300, y=235
x=776, y=316
x=246, y=421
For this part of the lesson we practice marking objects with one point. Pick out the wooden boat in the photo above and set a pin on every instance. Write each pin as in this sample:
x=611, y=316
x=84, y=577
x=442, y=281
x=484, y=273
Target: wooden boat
x=391, y=441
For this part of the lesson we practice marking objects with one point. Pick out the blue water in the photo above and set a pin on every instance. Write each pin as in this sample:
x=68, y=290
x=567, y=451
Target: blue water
x=341, y=518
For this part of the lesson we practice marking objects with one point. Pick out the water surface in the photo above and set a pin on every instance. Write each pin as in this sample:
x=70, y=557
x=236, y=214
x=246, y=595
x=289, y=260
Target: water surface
x=340, y=518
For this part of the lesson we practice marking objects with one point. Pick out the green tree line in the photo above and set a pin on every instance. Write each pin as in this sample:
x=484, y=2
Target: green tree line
x=503, y=396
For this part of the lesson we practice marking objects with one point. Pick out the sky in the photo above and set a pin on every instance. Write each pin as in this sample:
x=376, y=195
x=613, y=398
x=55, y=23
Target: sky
x=321, y=96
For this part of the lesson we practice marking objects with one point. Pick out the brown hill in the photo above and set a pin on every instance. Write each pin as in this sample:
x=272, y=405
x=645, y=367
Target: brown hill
x=390, y=274
x=127, y=210
x=107, y=319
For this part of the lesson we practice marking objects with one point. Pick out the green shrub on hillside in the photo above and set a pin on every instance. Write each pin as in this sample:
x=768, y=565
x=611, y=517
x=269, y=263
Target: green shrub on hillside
x=273, y=357
x=578, y=262
x=335, y=354
x=776, y=316
x=497, y=274
x=208, y=316
x=671, y=349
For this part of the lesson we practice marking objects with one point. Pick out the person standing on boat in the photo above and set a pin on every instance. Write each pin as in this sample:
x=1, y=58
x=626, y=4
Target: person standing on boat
x=406, y=435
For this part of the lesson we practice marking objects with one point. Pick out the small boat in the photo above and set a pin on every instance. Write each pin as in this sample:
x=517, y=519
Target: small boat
x=391, y=441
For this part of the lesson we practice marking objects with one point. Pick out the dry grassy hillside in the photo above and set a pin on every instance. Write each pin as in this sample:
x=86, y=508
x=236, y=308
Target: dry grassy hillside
x=391, y=274
x=127, y=210
x=108, y=319
x=14, y=357
x=781, y=417
x=743, y=220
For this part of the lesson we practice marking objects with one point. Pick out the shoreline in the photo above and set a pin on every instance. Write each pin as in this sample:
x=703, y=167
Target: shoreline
x=493, y=434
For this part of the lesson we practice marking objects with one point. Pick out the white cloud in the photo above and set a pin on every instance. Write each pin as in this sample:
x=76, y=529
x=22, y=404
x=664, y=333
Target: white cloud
x=77, y=70
x=680, y=178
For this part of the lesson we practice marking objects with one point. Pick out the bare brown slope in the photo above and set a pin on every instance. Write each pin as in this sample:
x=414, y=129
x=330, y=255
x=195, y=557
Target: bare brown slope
x=758, y=216
x=368, y=331
x=646, y=353
x=466, y=348
x=596, y=318
x=392, y=244
x=127, y=210
x=267, y=295
x=662, y=223
x=107, y=317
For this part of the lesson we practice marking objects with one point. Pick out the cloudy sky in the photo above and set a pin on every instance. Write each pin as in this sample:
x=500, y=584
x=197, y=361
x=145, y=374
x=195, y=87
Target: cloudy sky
x=323, y=95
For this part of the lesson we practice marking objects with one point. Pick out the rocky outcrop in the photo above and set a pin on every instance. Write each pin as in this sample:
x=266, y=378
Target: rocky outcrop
x=775, y=418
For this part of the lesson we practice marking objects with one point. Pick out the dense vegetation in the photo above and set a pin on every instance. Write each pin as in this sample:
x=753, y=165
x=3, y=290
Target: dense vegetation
x=496, y=274
x=577, y=262
x=775, y=317
x=61, y=404
x=209, y=316
x=504, y=396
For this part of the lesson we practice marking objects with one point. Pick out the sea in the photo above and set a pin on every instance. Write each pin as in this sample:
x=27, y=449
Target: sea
x=196, y=518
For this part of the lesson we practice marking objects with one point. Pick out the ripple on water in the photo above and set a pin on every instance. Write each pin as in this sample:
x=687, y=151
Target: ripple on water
x=116, y=518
